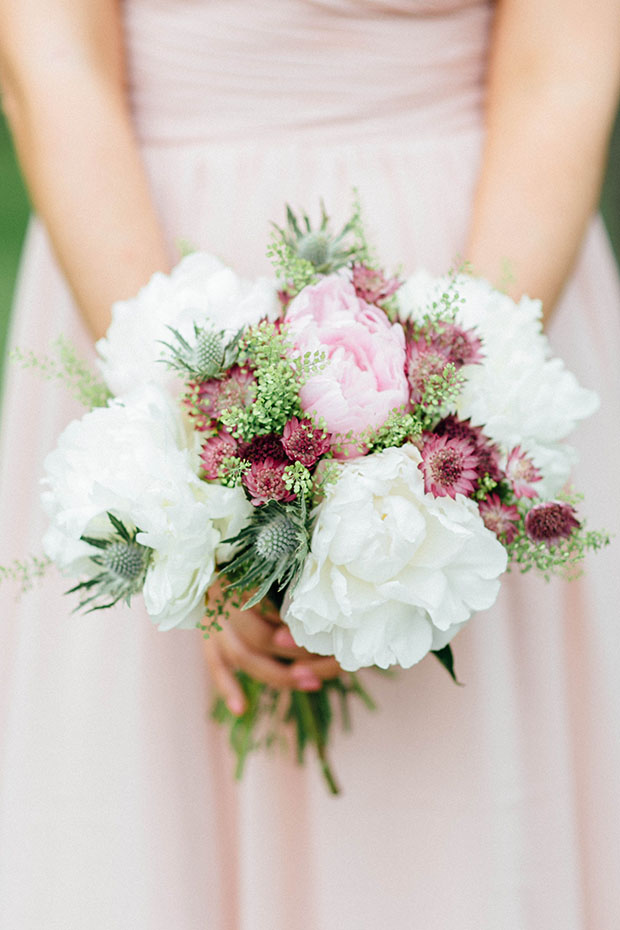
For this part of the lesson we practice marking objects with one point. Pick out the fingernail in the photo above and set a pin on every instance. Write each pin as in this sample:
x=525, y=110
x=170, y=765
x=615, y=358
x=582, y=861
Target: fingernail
x=305, y=680
x=236, y=705
x=282, y=637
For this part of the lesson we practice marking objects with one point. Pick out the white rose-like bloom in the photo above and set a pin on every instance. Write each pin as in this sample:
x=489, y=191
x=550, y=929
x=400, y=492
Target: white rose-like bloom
x=519, y=394
x=393, y=572
x=201, y=290
x=133, y=459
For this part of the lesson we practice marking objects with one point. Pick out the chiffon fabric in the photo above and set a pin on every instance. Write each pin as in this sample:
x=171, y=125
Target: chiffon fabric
x=487, y=807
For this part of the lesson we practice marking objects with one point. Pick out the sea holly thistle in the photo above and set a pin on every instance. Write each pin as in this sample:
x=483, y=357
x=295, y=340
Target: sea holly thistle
x=210, y=356
x=300, y=252
x=271, y=549
x=123, y=564
x=67, y=367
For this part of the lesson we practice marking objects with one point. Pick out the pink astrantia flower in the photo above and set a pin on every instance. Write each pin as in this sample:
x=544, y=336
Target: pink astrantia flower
x=263, y=447
x=461, y=346
x=551, y=521
x=488, y=452
x=208, y=399
x=303, y=442
x=363, y=378
x=501, y=519
x=449, y=466
x=522, y=473
x=423, y=361
x=214, y=450
x=265, y=483
x=371, y=285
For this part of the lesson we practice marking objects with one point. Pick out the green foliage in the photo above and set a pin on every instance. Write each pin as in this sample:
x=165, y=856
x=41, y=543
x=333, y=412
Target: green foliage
x=25, y=572
x=232, y=469
x=398, y=429
x=68, y=368
x=440, y=395
x=441, y=311
x=279, y=377
x=486, y=486
x=298, y=479
x=446, y=657
x=271, y=715
x=561, y=558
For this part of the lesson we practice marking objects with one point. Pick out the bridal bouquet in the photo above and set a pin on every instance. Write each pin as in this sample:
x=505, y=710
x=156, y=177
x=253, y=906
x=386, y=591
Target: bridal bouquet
x=368, y=453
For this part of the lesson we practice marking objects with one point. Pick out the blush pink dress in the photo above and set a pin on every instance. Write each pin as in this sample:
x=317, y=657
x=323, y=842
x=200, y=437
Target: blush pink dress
x=488, y=807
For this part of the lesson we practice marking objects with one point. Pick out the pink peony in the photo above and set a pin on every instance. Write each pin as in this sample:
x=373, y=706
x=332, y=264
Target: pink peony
x=363, y=378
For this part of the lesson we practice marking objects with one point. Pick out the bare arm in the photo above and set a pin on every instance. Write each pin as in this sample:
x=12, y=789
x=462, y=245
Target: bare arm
x=62, y=75
x=553, y=88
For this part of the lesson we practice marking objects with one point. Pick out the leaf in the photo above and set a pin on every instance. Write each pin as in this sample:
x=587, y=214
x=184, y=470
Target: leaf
x=446, y=658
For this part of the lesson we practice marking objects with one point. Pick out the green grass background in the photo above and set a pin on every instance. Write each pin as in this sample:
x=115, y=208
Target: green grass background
x=14, y=214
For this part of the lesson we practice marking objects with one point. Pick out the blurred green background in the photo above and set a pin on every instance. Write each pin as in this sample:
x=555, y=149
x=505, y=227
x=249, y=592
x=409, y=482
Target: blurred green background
x=14, y=213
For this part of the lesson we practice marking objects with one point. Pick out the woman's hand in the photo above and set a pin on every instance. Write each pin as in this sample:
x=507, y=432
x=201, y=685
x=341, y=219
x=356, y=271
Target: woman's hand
x=257, y=642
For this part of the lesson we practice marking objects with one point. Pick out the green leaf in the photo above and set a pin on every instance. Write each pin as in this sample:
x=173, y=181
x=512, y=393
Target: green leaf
x=446, y=658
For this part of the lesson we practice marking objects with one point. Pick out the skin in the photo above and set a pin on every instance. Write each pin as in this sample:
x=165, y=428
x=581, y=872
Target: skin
x=553, y=83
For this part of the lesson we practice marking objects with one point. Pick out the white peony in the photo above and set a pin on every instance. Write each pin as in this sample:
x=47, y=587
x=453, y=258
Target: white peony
x=520, y=394
x=200, y=290
x=392, y=572
x=133, y=459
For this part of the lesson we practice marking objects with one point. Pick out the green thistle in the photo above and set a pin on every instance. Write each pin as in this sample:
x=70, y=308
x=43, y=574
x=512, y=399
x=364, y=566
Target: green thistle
x=123, y=563
x=300, y=253
x=211, y=356
x=272, y=549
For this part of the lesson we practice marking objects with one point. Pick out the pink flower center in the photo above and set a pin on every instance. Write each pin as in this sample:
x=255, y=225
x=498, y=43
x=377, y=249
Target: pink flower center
x=446, y=466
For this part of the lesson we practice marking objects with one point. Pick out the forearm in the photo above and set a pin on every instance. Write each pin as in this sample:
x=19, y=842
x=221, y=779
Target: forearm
x=78, y=154
x=549, y=113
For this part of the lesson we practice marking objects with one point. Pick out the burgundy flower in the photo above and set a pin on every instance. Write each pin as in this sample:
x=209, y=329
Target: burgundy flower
x=215, y=450
x=501, y=519
x=208, y=399
x=371, y=285
x=461, y=346
x=488, y=453
x=303, y=442
x=550, y=522
x=263, y=447
x=449, y=466
x=265, y=483
x=522, y=473
x=423, y=361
